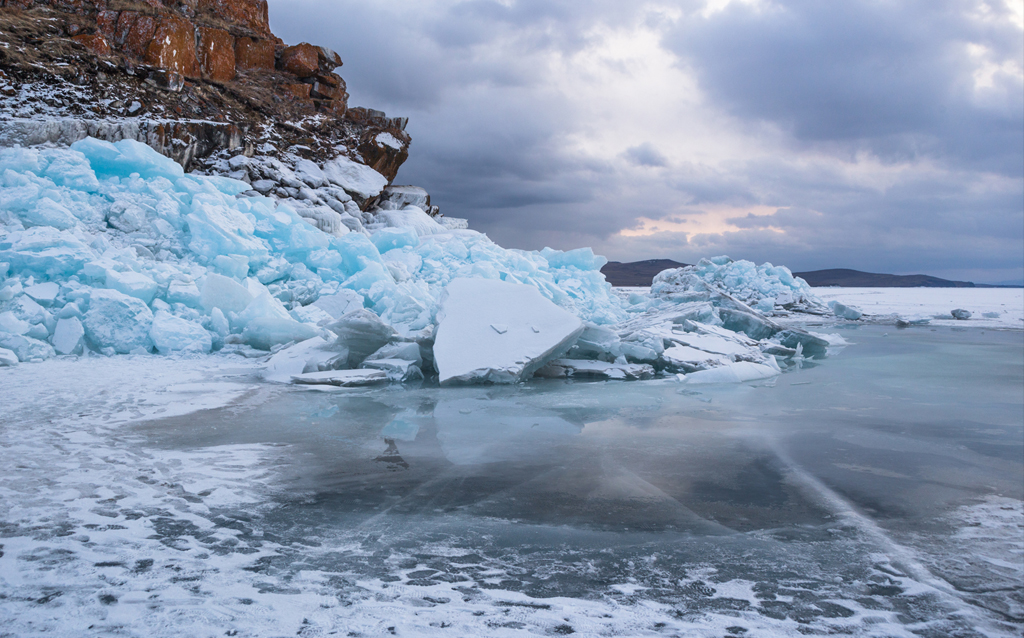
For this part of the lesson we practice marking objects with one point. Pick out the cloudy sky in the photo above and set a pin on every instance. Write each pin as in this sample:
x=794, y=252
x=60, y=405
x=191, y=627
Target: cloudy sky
x=880, y=135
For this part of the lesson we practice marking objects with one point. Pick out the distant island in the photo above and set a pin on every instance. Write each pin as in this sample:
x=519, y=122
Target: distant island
x=641, y=273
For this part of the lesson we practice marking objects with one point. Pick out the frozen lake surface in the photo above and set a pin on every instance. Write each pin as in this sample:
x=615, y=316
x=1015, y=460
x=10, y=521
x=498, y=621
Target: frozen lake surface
x=876, y=493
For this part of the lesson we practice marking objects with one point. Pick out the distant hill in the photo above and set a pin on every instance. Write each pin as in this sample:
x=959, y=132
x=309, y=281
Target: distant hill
x=856, y=279
x=636, y=273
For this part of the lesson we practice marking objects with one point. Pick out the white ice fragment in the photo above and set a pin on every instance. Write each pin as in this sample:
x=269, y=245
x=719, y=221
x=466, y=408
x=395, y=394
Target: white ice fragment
x=342, y=378
x=173, y=334
x=468, y=350
x=399, y=370
x=501, y=328
x=360, y=334
x=296, y=359
x=117, y=321
x=340, y=303
x=43, y=293
x=10, y=323
x=224, y=293
x=412, y=217
x=132, y=284
x=682, y=356
x=67, y=337
x=738, y=372
x=7, y=358
x=844, y=311
x=960, y=314
x=712, y=343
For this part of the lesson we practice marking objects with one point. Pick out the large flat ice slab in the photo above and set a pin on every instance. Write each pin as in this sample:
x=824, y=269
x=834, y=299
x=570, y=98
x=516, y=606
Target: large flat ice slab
x=498, y=332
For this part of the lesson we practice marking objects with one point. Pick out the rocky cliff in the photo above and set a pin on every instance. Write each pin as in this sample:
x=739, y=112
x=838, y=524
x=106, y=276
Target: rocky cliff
x=194, y=79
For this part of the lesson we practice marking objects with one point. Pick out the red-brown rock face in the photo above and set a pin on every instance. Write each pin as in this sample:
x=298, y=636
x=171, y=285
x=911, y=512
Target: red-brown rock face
x=216, y=54
x=252, y=14
x=252, y=54
x=301, y=60
x=95, y=43
x=173, y=47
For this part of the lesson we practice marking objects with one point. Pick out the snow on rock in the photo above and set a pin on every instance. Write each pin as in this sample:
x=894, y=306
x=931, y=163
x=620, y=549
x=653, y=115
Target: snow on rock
x=498, y=332
x=355, y=178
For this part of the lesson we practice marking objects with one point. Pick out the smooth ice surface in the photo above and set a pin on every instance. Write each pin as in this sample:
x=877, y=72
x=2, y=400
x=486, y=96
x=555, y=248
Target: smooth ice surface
x=879, y=494
x=498, y=332
x=935, y=304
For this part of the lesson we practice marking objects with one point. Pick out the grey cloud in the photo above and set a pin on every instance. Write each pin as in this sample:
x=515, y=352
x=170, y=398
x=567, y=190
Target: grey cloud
x=645, y=155
x=890, y=77
x=491, y=132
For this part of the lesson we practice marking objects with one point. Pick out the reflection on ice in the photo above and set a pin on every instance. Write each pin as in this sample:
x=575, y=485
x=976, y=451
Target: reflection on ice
x=483, y=430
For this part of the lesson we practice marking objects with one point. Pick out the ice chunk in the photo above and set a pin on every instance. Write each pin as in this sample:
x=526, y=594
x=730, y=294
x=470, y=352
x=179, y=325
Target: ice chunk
x=846, y=312
x=219, y=229
x=414, y=218
x=263, y=306
x=7, y=358
x=738, y=372
x=714, y=344
x=123, y=158
x=747, y=282
x=406, y=350
x=358, y=179
x=360, y=334
x=387, y=239
x=692, y=359
x=342, y=378
x=340, y=303
x=306, y=356
x=185, y=292
x=265, y=332
x=398, y=197
x=47, y=212
x=67, y=336
x=750, y=324
x=399, y=370
x=591, y=369
x=224, y=293
x=132, y=284
x=453, y=223
x=26, y=348
x=9, y=322
x=56, y=253
x=960, y=314
x=43, y=293
x=115, y=320
x=810, y=345
x=172, y=334
x=468, y=350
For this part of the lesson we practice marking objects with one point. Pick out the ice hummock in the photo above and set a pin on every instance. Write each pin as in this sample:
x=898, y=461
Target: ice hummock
x=112, y=248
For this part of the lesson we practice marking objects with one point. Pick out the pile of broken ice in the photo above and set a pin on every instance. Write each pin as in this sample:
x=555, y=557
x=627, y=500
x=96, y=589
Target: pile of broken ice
x=112, y=249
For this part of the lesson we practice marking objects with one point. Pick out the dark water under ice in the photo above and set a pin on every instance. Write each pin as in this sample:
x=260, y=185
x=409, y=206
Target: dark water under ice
x=877, y=492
